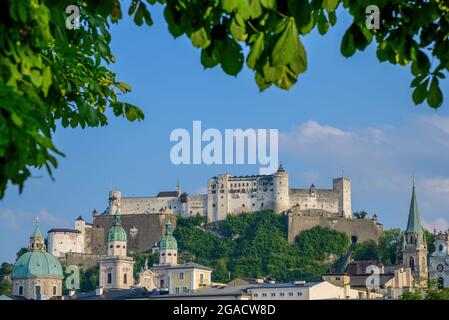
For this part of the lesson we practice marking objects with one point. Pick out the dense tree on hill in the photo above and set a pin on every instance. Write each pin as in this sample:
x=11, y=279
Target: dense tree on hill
x=255, y=245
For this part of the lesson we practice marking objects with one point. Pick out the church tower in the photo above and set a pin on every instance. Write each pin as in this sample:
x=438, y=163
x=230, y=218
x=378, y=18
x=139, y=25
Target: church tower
x=116, y=269
x=168, y=247
x=414, y=252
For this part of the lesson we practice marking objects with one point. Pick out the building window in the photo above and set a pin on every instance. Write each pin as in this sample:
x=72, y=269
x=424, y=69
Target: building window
x=181, y=276
x=255, y=295
x=299, y=293
x=337, y=278
x=177, y=290
x=54, y=290
x=440, y=247
x=290, y=294
x=109, y=278
x=273, y=294
x=412, y=263
x=185, y=289
x=21, y=291
x=264, y=294
x=169, y=254
x=281, y=294
x=125, y=278
x=38, y=290
x=201, y=278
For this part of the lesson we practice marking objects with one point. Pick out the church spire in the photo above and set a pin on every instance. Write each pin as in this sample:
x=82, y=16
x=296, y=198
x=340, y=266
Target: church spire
x=414, y=222
x=178, y=187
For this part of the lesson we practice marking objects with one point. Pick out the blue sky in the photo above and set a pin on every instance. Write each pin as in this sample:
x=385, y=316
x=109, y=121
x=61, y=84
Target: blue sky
x=351, y=114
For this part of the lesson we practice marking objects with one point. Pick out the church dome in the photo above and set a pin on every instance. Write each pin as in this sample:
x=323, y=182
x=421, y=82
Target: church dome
x=37, y=264
x=168, y=242
x=117, y=232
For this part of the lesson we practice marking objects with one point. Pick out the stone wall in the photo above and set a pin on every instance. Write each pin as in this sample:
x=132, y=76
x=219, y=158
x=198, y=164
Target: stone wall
x=142, y=230
x=82, y=260
x=363, y=229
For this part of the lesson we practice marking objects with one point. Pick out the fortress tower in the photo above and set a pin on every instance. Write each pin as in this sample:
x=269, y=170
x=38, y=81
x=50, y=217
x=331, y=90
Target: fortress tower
x=281, y=190
x=343, y=187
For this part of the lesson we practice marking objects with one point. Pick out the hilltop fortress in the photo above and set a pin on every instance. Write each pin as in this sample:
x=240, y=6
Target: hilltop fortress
x=143, y=218
x=227, y=194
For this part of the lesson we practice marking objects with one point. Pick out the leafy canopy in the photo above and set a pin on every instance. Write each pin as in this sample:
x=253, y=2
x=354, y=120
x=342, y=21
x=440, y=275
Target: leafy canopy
x=255, y=245
x=50, y=75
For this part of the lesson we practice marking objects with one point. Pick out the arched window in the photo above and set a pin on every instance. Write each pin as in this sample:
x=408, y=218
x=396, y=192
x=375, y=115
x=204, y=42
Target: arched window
x=109, y=278
x=440, y=247
x=412, y=263
x=125, y=278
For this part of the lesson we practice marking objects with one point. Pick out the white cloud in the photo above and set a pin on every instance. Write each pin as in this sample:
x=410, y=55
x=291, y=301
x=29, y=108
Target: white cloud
x=16, y=219
x=380, y=161
x=439, y=224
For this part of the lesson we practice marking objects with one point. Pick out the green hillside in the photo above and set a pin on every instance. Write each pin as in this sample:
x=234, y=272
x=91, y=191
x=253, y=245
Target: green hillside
x=255, y=244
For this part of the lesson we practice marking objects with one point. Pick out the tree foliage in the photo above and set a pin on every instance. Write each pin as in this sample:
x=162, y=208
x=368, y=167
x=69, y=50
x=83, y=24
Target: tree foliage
x=432, y=292
x=51, y=75
x=255, y=244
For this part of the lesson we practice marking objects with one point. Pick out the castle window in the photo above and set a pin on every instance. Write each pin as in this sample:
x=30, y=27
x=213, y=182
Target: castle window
x=109, y=278
x=54, y=290
x=21, y=291
x=440, y=247
x=412, y=263
x=125, y=278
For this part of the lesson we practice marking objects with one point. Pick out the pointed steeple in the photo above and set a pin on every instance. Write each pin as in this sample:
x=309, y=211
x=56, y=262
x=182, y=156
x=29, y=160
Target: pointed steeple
x=117, y=218
x=178, y=187
x=37, y=231
x=414, y=222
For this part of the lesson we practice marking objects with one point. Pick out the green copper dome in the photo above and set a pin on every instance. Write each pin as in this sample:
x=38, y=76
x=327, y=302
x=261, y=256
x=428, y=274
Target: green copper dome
x=117, y=233
x=37, y=264
x=168, y=242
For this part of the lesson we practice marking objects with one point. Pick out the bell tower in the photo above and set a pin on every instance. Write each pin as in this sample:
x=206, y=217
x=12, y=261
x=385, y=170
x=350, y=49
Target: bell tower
x=414, y=252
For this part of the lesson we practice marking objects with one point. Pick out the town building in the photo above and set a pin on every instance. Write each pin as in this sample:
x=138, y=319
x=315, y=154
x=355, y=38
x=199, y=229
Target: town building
x=37, y=274
x=116, y=268
x=439, y=260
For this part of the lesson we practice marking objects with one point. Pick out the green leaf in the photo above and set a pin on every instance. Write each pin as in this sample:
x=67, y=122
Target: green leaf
x=284, y=49
x=330, y=5
x=123, y=86
x=210, y=57
x=238, y=28
x=420, y=93
x=347, y=47
x=435, y=96
x=232, y=58
x=229, y=5
x=257, y=47
x=138, y=17
x=302, y=12
x=200, y=38
x=16, y=119
x=46, y=81
x=269, y=4
x=36, y=77
x=299, y=62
